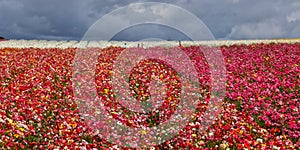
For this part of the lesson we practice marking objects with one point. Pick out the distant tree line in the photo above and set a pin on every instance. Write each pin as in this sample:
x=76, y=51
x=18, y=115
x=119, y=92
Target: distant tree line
x=2, y=38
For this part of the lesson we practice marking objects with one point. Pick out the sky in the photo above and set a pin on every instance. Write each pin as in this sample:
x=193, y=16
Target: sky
x=226, y=19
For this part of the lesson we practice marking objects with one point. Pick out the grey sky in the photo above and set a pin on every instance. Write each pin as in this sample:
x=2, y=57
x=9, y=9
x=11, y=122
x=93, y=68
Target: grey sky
x=227, y=19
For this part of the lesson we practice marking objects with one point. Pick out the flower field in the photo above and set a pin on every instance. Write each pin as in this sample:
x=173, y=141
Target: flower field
x=260, y=109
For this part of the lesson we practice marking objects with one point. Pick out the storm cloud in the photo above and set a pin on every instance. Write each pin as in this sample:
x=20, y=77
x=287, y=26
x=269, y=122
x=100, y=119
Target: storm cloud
x=227, y=19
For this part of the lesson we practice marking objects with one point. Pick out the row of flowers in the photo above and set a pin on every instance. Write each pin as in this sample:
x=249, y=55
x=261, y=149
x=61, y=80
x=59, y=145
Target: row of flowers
x=260, y=109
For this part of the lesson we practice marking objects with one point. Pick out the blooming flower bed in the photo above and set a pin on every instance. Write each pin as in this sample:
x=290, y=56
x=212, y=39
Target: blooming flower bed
x=260, y=110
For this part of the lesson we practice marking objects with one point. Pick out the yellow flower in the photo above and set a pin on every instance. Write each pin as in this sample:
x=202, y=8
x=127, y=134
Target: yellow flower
x=61, y=126
x=69, y=141
x=16, y=135
x=284, y=137
x=106, y=91
x=267, y=58
x=161, y=76
x=144, y=132
x=21, y=129
x=10, y=121
x=239, y=131
x=73, y=125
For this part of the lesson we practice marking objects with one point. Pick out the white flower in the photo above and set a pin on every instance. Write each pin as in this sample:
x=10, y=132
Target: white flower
x=259, y=140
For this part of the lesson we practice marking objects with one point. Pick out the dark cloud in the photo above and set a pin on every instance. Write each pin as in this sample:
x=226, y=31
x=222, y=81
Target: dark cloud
x=227, y=19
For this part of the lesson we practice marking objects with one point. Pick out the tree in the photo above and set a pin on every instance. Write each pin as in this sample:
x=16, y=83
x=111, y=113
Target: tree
x=2, y=38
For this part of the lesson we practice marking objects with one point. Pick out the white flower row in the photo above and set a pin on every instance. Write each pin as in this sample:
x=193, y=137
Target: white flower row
x=145, y=44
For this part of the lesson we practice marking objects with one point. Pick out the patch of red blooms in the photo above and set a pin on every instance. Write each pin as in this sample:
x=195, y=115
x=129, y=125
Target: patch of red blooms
x=260, y=110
